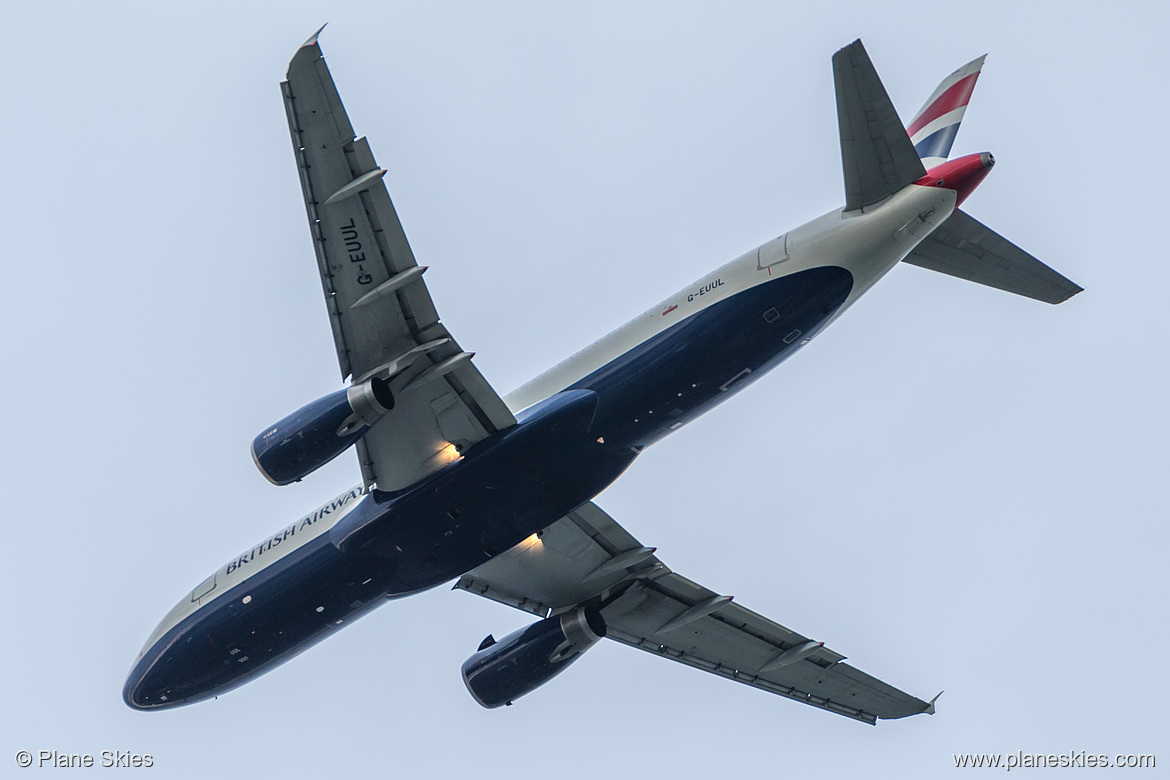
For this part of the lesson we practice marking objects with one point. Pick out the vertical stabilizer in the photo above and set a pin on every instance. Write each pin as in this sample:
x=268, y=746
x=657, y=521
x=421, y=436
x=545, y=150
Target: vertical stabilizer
x=877, y=157
x=934, y=128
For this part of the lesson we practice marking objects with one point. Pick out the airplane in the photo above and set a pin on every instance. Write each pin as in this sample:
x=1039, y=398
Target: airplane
x=496, y=493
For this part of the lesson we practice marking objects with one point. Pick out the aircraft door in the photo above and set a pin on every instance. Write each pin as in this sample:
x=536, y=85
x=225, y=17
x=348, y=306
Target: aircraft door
x=203, y=588
x=773, y=253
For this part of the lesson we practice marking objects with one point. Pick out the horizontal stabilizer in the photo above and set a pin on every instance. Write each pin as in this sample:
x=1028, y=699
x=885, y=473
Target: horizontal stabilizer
x=964, y=247
x=877, y=156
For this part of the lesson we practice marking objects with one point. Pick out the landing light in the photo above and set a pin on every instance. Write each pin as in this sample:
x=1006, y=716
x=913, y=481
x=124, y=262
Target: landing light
x=448, y=454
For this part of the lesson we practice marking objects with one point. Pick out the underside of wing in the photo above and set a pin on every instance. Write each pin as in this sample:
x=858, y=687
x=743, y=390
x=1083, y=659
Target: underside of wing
x=587, y=558
x=966, y=248
x=384, y=322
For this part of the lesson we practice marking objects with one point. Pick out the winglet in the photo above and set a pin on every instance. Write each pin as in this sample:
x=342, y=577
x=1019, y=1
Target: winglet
x=930, y=704
x=313, y=38
x=308, y=52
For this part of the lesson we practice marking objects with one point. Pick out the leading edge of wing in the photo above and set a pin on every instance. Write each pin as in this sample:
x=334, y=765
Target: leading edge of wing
x=588, y=557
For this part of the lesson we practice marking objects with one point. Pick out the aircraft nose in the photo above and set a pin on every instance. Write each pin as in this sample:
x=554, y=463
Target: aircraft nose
x=146, y=686
x=142, y=693
x=132, y=689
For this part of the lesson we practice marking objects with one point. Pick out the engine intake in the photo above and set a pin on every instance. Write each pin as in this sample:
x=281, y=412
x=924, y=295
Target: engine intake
x=501, y=672
x=317, y=433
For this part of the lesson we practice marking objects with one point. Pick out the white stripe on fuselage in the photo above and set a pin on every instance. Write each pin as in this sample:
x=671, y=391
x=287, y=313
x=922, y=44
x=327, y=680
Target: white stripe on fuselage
x=866, y=244
x=258, y=558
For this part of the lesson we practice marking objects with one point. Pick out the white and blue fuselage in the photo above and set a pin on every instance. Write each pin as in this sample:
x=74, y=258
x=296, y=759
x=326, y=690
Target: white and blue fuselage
x=580, y=425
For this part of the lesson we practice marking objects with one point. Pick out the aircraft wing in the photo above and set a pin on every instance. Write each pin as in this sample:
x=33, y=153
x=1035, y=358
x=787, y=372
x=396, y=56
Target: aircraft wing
x=587, y=556
x=382, y=316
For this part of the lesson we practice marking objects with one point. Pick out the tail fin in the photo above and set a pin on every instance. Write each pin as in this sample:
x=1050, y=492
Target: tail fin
x=877, y=157
x=934, y=129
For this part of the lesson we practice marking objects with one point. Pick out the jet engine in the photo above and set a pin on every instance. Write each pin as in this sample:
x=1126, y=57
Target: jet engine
x=501, y=672
x=317, y=433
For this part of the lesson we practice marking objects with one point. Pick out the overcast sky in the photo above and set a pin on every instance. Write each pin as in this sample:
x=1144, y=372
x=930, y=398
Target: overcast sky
x=956, y=488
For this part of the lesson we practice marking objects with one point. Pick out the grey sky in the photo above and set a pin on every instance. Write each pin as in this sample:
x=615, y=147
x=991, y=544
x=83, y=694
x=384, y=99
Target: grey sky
x=956, y=488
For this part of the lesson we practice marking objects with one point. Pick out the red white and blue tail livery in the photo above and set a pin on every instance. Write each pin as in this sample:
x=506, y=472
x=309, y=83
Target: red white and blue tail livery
x=933, y=129
x=496, y=492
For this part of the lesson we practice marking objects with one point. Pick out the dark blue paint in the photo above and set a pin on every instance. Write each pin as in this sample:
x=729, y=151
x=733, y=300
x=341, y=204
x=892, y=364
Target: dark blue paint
x=306, y=440
x=502, y=490
x=392, y=544
x=691, y=367
x=520, y=662
x=938, y=143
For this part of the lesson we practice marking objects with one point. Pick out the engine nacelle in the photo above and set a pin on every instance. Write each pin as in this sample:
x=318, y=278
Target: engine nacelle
x=315, y=434
x=501, y=672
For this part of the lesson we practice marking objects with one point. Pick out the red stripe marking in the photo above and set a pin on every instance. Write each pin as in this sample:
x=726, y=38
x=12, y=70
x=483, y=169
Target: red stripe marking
x=957, y=95
x=962, y=175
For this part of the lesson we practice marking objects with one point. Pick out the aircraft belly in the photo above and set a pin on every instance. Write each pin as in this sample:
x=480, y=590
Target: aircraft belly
x=391, y=545
x=263, y=622
x=870, y=244
x=701, y=361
